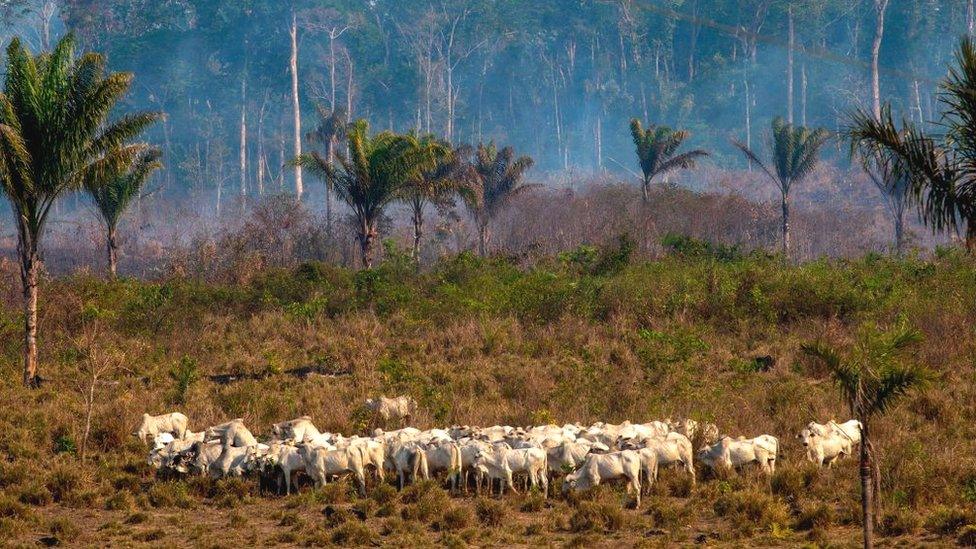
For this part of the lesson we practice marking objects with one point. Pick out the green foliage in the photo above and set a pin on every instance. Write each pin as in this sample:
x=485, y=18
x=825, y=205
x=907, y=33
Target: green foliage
x=183, y=374
x=657, y=148
x=688, y=247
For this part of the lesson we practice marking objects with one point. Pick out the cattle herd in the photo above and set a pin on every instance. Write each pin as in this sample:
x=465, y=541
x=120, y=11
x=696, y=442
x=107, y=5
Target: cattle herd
x=583, y=456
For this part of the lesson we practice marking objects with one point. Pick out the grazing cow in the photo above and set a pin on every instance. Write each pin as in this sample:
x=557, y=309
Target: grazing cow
x=850, y=429
x=444, y=456
x=285, y=458
x=298, y=429
x=198, y=458
x=566, y=457
x=174, y=423
x=401, y=408
x=409, y=461
x=501, y=463
x=374, y=452
x=320, y=464
x=673, y=449
x=234, y=461
x=232, y=433
x=823, y=444
x=598, y=468
x=736, y=453
x=470, y=448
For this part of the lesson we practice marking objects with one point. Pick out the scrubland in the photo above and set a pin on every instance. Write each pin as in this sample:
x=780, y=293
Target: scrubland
x=590, y=334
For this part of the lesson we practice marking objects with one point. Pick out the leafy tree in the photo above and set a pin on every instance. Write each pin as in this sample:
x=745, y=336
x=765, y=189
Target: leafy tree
x=496, y=179
x=939, y=169
x=872, y=376
x=113, y=198
x=657, y=148
x=795, y=153
x=329, y=132
x=368, y=180
x=438, y=173
x=55, y=137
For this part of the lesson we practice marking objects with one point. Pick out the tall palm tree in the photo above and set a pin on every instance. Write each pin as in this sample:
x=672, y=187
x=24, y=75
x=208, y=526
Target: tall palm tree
x=940, y=170
x=872, y=376
x=895, y=187
x=368, y=180
x=795, y=153
x=329, y=132
x=496, y=180
x=656, y=151
x=56, y=137
x=113, y=198
x=438, y=173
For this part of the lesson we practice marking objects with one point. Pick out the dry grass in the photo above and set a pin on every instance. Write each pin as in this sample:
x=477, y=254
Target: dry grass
x=486, y=342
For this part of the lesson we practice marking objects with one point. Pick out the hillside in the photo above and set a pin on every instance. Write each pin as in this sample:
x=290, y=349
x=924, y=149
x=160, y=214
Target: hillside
x=583, y=337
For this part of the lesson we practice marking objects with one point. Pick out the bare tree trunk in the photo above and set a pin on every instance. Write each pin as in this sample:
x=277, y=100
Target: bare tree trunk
x=803, y=94
x=262, y=161
x=899, y=232
x=330, y=157
x=89, y=407
x=30, y=265
x=748, y=119
x=484, y=236
x=113, y=248
x=349, y=87
x=786, y=225
x=598, y=142
x=789, y=68
x=243, y=140
x=880, y=6
x=970, y=16
x=296, y=108
x=867, y=507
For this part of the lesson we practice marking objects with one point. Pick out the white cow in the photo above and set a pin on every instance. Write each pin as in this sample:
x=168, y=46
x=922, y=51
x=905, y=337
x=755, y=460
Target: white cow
x=850, y=429
x=298, y=429
x=470, y=449
x=174, y=423
x=374, y=451
x=409, y=461
x=285, y=458
x=736, y=453
x=672, y=449
x=401, y=408
x=501, y=463
x=320, y=464
x=233, y=433
x=444, y=456
x=598, y=468
x=234, y=461
x=198, y=458
x=568, y=456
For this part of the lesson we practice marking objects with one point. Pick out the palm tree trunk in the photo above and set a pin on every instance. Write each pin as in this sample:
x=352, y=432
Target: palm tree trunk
x=786, y=225
x=113, y=248
x=366, y=236
x=971, y=238
x=645, y=188
x=867, y=507
x=30, y=265
x=484, y=235
x=330, y=157
x=418, y=229
x=899, y=233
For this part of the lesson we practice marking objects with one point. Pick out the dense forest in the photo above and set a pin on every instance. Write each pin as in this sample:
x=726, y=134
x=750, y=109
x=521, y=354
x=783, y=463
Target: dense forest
x=557, y=80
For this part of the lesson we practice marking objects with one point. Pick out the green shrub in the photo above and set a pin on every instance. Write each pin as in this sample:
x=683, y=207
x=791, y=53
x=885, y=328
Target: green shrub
x=458, y=517
x=424, y=502
x=816, y=515
x=533, y=502
x=11, y=508
x=383, y=493
x=36, y=494
x=120, y=501
x=62, y=482
x=64, y=529
x=184, y=374
x=335, y=515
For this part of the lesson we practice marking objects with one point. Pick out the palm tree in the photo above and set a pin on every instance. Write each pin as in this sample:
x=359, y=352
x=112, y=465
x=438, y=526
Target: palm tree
x=368, y=180
x=656, y=148
x=795, y=153
x=438, y=173
x=872, y=376
x=496, y=179
x=113, y=198
x=940, y=170
x=329, y=132
x=55, y=137
x=895, y=187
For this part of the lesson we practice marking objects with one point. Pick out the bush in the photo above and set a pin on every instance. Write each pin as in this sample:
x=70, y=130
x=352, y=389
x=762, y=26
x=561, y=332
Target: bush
x=353, y=534
x=593, y=516
x=335, y=515
x=120, y=501
x=947, y=521
x=749, y=511
x=899, y=522
x=967, y=536
x=10, y=508
x=533, y=502
x=456, y=518
x=424, y=502
x=62, y=482
x=815, y=516
x=383, y=493
x=35, y=494
x=64, y=529
x=170, y=494
x=490, y=512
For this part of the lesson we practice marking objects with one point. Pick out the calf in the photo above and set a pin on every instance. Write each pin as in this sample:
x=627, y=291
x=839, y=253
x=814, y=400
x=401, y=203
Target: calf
x=598, y=468
x=174, y=423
